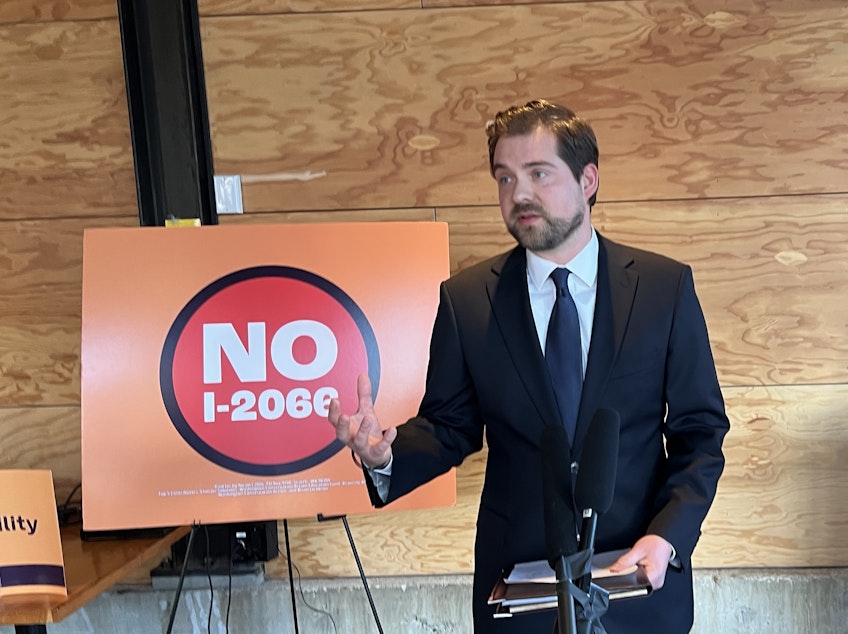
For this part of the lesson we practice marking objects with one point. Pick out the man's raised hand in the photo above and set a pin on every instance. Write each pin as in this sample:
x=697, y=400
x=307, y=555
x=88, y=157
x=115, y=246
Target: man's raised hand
x=361, y=431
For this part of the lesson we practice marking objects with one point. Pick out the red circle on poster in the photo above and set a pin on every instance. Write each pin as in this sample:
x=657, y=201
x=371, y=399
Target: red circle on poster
x=250, y=364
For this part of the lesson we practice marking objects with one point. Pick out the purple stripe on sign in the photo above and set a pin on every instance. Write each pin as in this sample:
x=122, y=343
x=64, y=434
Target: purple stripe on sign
x=32, y=575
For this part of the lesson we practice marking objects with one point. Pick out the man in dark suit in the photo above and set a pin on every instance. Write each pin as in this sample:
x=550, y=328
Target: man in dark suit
x=645, y=353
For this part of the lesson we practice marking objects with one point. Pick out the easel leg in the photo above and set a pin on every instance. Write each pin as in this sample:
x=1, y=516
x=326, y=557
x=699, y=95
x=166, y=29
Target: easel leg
x=291, y=576
x=362, y=576
x=182, y=577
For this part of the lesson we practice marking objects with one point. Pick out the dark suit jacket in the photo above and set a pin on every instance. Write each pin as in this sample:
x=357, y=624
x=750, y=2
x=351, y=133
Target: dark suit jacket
x=649, y=359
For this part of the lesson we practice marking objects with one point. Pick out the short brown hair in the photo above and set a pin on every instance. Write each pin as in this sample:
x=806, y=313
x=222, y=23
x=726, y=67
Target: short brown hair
x=576, y=142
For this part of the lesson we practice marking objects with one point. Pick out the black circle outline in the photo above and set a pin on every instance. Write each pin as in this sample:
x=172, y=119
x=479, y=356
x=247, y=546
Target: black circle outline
x=169, y=348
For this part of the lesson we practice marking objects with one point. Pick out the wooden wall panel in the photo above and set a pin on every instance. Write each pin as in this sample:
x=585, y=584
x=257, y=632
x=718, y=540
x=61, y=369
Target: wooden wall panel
x=387, y=108
x=429, y=541
x=443, y=4
x=43, y=438
x=40, y=307
x=12, y=11
x=56, y=10
x=260, y=7
x=767, y=270
x=781, y=500
x=65, y=146
x=359, y=215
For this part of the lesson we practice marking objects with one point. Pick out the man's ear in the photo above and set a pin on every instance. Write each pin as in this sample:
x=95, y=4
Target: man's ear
x=589, y=180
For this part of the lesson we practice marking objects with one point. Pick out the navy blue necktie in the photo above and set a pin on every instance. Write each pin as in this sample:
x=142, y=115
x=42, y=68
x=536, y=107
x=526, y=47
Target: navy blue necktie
x=563, y=354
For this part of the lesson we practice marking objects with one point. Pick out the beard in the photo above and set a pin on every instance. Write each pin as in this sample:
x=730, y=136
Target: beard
x=547, y=234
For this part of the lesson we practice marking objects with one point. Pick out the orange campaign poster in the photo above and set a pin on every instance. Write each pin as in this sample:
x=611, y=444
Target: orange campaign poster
x=210, y=354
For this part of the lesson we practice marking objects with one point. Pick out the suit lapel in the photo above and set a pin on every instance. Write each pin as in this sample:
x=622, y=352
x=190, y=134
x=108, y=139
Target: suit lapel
x=510, y=302
x=511, y=309
x=617, y=283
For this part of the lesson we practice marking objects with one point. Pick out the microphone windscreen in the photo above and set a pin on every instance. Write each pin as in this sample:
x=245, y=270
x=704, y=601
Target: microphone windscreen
x=595, y=483
x=560, y=524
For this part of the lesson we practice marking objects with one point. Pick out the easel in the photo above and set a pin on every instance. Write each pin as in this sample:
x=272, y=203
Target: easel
x=320, y=518
x=324, y=518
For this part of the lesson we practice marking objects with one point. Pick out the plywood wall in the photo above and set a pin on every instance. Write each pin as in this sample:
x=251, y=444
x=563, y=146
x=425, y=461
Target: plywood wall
x=723, y=129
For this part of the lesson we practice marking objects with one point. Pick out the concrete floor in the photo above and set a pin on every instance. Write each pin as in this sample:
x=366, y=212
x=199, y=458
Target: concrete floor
x=727, y=601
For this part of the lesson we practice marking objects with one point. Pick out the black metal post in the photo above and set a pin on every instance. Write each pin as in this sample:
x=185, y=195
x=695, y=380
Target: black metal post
x=169, y=120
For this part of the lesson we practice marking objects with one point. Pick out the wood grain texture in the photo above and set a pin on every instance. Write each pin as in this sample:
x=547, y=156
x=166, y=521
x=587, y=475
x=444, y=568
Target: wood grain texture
x=768, y=273
x=387, y=108
x=12, y=11
x=43, y=438
x=444, y=4
x=781, y=501
x=17, y=11
x=64, y=129
x=343, y=215
x=259, y=7
x=40, y=307
x=427, y=541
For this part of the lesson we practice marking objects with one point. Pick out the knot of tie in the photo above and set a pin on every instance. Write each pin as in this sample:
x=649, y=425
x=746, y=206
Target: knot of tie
x=560, y=278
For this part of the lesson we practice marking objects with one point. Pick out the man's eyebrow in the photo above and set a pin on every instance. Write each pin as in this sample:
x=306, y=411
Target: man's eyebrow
x=528, y=165
x=538, y=164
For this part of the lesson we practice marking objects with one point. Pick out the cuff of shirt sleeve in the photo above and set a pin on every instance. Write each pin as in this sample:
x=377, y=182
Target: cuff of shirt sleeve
x=674, y=560
x=381, y=478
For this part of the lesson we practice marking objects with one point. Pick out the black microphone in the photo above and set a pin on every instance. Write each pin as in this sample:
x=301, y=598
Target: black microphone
x=595, y=484
x=560, y=523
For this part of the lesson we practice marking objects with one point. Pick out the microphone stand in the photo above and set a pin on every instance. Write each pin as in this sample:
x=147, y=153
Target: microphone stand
x=587, y=542
x=566, y=613
x=588, y=619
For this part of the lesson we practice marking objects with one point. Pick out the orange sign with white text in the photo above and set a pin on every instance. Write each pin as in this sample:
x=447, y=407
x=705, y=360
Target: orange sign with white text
x=210, y=354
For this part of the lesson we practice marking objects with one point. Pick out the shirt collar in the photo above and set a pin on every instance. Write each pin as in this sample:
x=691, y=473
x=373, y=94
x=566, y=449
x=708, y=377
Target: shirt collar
x=584, y=265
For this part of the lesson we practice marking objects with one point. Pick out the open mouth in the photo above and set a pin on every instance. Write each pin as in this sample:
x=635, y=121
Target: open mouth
x=526, y=216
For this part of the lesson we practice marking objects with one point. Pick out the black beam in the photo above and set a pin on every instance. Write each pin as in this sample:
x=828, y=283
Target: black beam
x=169, y=120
